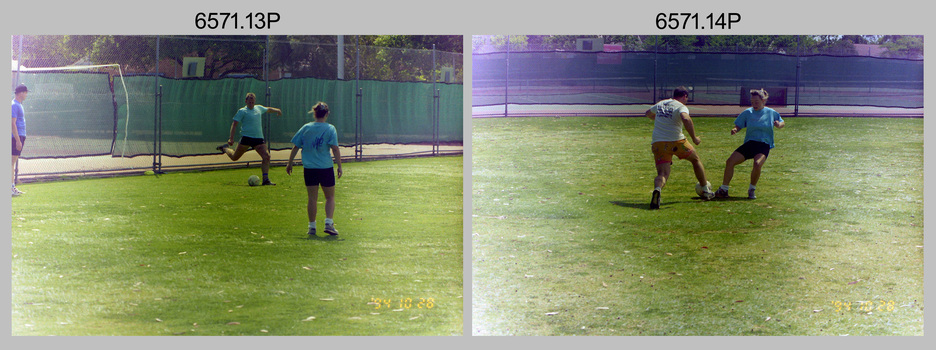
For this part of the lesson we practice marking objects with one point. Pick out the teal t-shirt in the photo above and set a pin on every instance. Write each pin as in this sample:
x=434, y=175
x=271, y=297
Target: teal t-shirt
x=250, y=122
x=759, y=124
x=315, y=139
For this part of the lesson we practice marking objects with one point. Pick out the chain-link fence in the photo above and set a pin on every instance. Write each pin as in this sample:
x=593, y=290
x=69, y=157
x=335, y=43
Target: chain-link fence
x=136, y=99
x=602, y=75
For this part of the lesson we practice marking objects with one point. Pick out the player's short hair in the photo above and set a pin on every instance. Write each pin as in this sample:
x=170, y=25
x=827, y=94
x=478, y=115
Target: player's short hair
x=760, y=92
x=249, y=95
x=320, y=110
x=680, y=92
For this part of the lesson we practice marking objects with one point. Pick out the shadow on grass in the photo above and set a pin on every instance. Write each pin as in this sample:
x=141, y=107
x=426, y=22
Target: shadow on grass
x=324, y=238
x=642, y=205
x=664, y=204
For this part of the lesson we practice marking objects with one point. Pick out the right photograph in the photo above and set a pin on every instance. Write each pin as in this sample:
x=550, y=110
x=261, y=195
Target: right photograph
x=692, y=185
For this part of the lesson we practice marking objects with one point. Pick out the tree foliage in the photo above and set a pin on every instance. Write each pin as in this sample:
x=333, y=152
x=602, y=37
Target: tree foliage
x=383, y=57
x=897, y=46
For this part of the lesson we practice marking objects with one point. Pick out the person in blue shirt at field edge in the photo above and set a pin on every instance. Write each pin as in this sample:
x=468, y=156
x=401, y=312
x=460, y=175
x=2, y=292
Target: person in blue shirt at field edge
x=19, y=130
x=249, y=117
x=758, y=140
x=316, y=139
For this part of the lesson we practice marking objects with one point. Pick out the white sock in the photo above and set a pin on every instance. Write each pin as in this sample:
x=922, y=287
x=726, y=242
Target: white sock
x=329, y=221
x=752, y=187
x=723, y=187
x=312, y=224
x=658, y=189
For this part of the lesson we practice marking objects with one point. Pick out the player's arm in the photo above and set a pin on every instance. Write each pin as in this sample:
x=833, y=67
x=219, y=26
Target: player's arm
x=337, y=152
x=19, y=144
x=650, y=114
x=690, y=128
x=779, y=124
x=292, y=158
x=735, y=129
x=233, y=130
x=275, y=110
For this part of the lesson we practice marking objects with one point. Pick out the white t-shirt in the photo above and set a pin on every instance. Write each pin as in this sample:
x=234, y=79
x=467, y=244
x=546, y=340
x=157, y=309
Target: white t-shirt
x=668, y=126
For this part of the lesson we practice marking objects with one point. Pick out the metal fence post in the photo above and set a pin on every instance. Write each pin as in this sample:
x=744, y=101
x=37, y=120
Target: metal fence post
x=359, y=111
x=157, y=92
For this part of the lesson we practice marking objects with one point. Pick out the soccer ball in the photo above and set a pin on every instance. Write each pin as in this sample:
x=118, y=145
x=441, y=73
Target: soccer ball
x=253, y=180
x=704, y=191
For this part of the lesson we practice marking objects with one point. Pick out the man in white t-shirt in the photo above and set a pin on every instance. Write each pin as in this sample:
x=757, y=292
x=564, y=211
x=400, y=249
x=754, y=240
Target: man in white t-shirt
x=669, y=117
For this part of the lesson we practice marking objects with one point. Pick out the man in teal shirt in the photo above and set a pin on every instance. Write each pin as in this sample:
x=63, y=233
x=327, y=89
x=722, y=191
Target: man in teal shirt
x=249, y=117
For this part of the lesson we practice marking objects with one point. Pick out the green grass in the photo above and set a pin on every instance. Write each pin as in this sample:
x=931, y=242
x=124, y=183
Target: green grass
x=563, y=242
x=202, y=253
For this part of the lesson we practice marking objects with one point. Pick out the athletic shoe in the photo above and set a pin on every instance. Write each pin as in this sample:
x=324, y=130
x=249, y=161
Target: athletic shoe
x=222, y=147
x=268, y=183
x=16, y=192
x=750, y=194
x=311, y=232
x=707, y=196
x=330, y=229
x=655, y=200
x=721, y=193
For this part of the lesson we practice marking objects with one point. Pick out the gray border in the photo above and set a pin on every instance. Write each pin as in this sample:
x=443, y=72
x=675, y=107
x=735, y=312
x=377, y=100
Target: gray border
x=467, y=18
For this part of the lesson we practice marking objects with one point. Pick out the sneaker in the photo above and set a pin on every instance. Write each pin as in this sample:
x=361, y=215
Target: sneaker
x=311, y=232
x=655, y=200
x=16, y=192
x=222, y=147
x=721, y=193
x=750, y=194
x=268, y=183
x=708, y=195
x=330, y=229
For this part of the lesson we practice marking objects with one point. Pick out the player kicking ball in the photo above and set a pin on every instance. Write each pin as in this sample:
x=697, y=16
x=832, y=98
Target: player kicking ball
x=758, y=140
x=249, y=117
x=315, y=139
x=669, y=117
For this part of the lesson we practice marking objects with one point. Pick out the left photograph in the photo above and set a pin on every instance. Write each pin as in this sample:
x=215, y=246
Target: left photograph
x=237, y=185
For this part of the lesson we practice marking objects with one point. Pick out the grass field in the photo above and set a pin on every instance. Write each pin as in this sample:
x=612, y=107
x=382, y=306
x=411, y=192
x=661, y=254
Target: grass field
x=563, y=242
x=202, y=253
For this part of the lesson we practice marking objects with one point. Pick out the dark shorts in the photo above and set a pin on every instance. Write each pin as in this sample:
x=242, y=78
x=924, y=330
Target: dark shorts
x=13, y=140
x=251, y=141
x=752, y=148
x=315, y=177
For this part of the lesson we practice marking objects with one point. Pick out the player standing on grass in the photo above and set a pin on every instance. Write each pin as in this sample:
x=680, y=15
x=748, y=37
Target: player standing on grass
x=19, y=131
x=758, y=140
x=316, y=139
x=669, y=117
x=249, y=117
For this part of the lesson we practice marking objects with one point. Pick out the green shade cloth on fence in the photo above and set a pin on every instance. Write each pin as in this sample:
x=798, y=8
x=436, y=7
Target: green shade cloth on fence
x=79, y=114
x=610, y=78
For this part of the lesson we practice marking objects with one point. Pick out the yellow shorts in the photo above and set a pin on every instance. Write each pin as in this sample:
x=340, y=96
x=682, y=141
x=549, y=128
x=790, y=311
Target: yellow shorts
x=664, y=151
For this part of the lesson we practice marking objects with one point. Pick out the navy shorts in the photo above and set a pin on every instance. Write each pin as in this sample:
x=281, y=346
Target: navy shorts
x=15, y=152
x=251, y=141
x=752, y=148
x=315, y=177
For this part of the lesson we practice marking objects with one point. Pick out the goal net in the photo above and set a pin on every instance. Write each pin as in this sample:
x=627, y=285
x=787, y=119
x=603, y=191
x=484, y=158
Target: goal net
x=75, y=111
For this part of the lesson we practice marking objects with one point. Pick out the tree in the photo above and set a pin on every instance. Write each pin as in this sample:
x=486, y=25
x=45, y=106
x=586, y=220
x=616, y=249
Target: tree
x=388, y=57
x=904, y=46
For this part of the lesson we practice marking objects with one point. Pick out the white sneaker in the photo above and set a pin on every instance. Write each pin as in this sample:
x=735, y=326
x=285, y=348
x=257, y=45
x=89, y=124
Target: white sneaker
x=17, y=192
